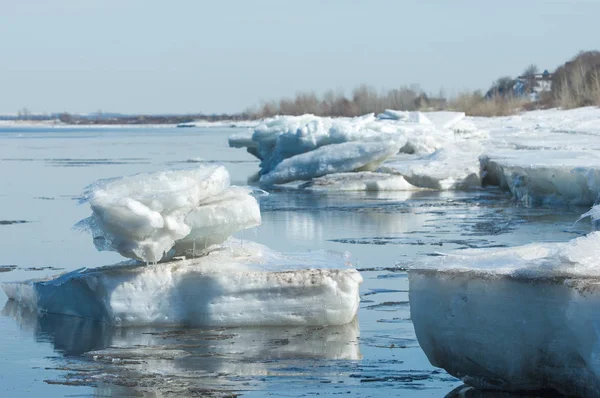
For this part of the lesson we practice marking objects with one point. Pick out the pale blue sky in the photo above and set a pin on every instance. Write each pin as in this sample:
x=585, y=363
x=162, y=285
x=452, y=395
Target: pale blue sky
x=146, y=56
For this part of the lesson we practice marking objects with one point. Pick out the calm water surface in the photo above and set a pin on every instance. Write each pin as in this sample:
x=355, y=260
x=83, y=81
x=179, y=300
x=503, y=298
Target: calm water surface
x=42, y=173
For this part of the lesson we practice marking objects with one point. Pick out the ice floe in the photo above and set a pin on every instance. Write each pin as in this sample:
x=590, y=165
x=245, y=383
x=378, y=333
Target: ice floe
x=513, y=319
x=235, y=284
x=184, y=219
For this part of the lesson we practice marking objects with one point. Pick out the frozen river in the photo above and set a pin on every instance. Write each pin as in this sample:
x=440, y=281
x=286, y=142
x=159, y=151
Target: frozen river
x=43, y=172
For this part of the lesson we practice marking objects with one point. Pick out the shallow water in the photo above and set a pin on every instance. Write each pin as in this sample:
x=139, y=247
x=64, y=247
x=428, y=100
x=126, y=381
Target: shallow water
x=45, y=170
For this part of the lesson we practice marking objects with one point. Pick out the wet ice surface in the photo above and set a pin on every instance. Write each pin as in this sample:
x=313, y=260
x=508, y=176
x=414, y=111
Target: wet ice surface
x=377, y=355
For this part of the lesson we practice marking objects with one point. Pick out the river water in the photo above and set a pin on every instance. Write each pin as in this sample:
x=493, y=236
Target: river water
x=42, y=174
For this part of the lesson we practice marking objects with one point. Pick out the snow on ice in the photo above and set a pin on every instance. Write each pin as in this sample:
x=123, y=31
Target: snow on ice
x=513, y=319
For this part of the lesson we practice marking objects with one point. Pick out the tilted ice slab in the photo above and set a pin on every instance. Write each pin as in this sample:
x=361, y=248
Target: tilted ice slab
x=359, y=181
x=152, y=216
x=545, y=176
x=523, y=318
x=237, y=284
x=336, y=158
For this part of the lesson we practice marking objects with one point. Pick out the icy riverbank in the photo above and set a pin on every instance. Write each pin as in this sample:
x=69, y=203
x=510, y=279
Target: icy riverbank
x=541, y=157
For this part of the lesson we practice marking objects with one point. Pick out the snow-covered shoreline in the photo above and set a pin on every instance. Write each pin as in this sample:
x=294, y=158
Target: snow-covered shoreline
x=541, y=157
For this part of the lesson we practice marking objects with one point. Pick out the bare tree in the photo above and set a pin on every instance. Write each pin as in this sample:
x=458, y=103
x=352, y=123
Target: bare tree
x=529, y=75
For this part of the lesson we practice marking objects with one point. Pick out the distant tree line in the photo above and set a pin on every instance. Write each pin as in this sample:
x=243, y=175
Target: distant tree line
x=364, y=99
x=574, y=84
x=577, y=82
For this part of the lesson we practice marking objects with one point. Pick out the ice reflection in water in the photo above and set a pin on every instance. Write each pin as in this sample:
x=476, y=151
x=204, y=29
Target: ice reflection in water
x=223, y=359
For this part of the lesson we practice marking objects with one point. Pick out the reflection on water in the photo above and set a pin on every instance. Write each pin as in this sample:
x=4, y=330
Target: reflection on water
x=230, y=358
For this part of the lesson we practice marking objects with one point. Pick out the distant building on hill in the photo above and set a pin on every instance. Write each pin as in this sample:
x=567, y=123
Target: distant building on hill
x=531, y=86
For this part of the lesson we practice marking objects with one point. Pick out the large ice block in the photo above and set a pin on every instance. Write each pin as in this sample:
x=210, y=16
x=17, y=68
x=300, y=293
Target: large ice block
x=512, y=319
x=235, y=284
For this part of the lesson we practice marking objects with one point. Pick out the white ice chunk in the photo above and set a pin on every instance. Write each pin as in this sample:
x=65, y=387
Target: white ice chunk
x=217, y=218
x=545, y=176
x=142, y=216
x=360, y=181
x=454, y=167
x=336, y=158
x=513, y=319
x=238, y=284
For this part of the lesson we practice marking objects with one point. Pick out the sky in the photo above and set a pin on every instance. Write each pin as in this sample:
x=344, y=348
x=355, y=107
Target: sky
x=190, y=56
